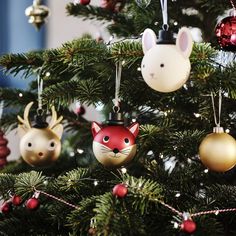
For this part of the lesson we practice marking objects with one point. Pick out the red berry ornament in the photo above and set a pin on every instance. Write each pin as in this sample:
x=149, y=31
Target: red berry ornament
x=32, y=204
x=4, y=150
x=226, y=33
x=6, y=207
x=16, y=200
x=84, y=2
x=120, y=190
x=188, y=226
x=80, y=110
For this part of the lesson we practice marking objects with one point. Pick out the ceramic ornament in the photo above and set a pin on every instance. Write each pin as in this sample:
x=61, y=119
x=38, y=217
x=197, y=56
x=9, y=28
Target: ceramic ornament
x=166, y=66
x=40, y=145
x=114, y=145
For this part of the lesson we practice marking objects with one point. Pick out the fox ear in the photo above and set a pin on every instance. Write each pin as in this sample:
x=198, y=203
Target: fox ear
x=95, y=128
x=134, y=129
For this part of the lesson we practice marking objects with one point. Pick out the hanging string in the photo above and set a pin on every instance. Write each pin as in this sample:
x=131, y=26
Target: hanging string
x=116, y=100
x=40, y=90
x=217, y=123
x=233, y=5
x=165, y=25
x=1, y=109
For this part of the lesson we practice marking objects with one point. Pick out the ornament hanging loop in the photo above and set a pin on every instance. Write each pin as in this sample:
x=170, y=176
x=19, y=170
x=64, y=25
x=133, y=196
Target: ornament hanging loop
x=116, y=100
x=40, y=91
x=165, y=25
x=233, y=5
x=217, y=122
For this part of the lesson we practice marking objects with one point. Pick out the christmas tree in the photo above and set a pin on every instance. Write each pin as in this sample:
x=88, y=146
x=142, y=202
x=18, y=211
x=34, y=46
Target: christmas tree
x=165, y=188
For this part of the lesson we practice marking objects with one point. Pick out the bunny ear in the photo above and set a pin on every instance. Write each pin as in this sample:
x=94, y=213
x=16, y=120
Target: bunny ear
x=148, y=40
x=184, y=42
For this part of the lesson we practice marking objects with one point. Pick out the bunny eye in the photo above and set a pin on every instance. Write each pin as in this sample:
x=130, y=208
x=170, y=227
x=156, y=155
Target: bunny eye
x=162, y=65
x=143, y=65
x=106, y=139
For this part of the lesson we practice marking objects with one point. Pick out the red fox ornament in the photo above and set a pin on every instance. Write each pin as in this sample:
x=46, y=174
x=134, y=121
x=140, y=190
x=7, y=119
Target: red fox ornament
x=114, y=145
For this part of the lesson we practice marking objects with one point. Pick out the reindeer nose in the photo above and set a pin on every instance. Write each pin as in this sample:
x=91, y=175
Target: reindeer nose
x=40, y=154
x=115, y=150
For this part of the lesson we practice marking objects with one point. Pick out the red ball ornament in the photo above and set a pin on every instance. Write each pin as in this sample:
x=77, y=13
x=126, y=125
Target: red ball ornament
x=84, y=2
x=226, y=33
x=6, y=207
x=4, y=150
x=32, y=203
x=188, y=226
x=80, y=110
x=120, y=190
x=16, y=200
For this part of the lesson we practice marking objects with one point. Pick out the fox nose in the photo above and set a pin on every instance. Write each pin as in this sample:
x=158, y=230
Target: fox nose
x=115, y=150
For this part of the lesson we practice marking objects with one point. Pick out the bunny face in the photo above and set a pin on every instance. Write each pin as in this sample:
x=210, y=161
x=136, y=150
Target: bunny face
x=166, y=67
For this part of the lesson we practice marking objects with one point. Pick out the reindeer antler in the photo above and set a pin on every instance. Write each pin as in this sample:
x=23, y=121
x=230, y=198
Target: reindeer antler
x=25, y=122
x=54, y=121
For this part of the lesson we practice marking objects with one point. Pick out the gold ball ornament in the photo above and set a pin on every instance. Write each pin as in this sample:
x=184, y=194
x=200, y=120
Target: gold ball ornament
x=40, y=146
x=217, y=151
x=37, y=14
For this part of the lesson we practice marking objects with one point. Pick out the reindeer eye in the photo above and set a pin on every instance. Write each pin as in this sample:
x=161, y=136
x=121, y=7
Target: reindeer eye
x=51, y=145
x=29, y=146
x=106, y=139
x=162, y=65
x=126, y=141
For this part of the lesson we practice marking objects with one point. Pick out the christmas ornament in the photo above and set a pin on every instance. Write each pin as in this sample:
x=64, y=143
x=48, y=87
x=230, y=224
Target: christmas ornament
x=217, y=150
x=188, y=226
x=40, y=145
x=37, y=14
x=84, y=2
x=4, y=150
x=113, y=5
x=225, y=32
x=79, y=109
x=16, y=200
x=114, y=145
x=32, y=203
x=6, y=207
x=120, y=190
x=165, y=66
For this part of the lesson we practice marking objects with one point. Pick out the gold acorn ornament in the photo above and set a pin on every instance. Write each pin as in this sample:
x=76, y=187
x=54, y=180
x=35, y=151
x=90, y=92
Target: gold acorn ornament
x=40, y=145
x=37, y=14
x=217, y=150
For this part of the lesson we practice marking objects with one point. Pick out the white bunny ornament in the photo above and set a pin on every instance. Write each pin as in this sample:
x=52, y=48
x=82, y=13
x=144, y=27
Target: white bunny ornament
x=166, y=66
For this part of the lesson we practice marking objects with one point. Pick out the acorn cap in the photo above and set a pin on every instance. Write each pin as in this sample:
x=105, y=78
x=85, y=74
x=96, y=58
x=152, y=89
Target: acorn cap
x=115, y=118
x=165, y=37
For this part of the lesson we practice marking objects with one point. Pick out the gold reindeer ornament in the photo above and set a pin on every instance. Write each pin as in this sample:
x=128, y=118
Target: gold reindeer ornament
x=40, y=146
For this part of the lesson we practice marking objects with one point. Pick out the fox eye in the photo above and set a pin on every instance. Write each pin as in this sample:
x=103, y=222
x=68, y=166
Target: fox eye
x=126, y=141
x=106, y=139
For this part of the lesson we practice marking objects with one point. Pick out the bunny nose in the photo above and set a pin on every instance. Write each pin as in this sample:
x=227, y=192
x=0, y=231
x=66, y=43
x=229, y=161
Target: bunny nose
x=152, y=74
x=115, y=150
